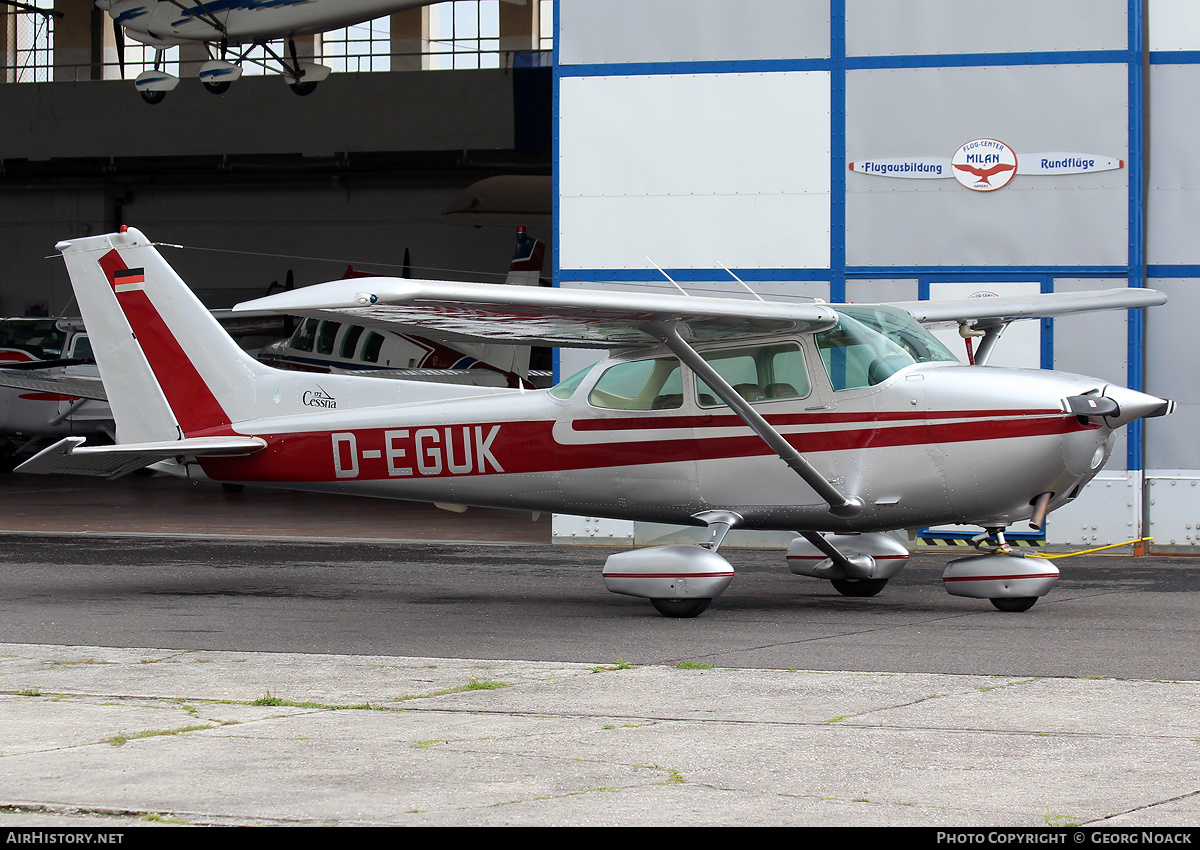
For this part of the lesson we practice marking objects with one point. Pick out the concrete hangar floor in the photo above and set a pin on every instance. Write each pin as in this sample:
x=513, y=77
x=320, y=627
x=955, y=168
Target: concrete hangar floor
x=169, y=653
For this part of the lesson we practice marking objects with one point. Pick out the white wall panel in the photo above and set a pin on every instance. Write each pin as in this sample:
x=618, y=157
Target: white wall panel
x=687, y=168
x=703, y=231
x=1109, y=510
x=873, y=291
x=1174, y=25
x=1173, y=188
x=917, y=27
x=1171, y=358
x=611, y=31
x=1073, y=219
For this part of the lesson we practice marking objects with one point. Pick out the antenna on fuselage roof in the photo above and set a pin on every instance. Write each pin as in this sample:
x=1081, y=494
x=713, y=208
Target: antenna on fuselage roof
x=742, y=282
x=667, y=276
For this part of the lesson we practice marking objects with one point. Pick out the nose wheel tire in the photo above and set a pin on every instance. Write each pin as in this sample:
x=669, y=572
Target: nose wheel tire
x=153, y=97
x=859, y=586
x=1014, y=604
x=680, y=608
x=303, y=89
x=218, y=88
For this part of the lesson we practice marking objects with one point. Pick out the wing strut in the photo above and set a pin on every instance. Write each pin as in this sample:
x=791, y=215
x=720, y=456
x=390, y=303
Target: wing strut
x=839, y=505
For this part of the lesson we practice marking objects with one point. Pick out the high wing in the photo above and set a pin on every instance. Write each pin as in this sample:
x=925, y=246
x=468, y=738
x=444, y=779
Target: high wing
x=990, y=312
x=583, y=318
x=576, y=318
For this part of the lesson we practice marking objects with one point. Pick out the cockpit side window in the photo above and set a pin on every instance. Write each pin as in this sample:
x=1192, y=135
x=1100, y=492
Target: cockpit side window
x=762, y=373
x=81, y=346
x=640, y=385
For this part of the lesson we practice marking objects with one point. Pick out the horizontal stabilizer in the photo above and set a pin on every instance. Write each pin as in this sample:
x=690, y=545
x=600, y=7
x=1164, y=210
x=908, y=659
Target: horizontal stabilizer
x=69, y=457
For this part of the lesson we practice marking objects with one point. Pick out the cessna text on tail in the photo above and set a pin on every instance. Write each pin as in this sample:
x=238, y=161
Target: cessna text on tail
x=836, y=422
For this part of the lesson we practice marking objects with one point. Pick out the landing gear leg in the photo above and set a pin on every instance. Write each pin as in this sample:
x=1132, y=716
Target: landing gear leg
x=299, y=87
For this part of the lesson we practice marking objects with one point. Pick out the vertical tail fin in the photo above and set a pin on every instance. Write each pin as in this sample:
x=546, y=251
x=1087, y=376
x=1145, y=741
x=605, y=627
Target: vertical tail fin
x=526, y=266
x=170, y=370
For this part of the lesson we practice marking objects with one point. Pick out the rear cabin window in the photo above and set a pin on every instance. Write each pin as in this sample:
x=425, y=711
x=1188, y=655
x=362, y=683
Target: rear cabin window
x=640, y=385
x=326, y=337
x=350, y=341
x=762, y=373
x=370, y=349
x=564, y=389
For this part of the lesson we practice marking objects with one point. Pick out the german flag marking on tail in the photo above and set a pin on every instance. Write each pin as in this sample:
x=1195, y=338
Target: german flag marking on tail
x=128, y=280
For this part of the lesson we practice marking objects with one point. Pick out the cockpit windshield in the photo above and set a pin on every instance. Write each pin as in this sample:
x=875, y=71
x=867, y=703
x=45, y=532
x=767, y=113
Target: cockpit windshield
x=871, y=343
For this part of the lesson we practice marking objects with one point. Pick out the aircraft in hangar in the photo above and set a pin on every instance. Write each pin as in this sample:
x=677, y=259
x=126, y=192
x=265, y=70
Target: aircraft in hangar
x=837, y=422
x=230, y=29
x=50, y=387
x=335, y=345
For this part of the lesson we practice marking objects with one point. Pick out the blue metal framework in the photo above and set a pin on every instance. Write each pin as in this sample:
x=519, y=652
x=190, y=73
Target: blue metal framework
x=1136, y=57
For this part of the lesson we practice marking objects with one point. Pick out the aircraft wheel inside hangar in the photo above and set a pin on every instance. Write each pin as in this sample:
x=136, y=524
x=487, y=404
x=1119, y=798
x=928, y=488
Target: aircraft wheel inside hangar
x=858, y=587
x=303, y=89
x=1014, y=603
x=153, y=97
x=680, y=608
x=218, y=88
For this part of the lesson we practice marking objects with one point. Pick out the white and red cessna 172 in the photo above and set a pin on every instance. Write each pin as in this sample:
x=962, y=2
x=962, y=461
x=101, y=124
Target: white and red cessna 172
x=837, y=422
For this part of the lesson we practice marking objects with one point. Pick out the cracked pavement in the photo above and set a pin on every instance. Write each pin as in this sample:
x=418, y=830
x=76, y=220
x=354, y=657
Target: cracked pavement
x=101, y=736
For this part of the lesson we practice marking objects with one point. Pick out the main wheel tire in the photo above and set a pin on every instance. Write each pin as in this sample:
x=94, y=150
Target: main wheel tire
x=230, y=487
x=858, y=586
x=303, y=89
x=218, y=88
x=1014, y=604
x=680, y=608
x=153, y=97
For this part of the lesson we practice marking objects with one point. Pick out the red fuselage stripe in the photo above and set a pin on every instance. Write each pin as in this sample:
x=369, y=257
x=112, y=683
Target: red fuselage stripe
x=999, y=578
x=530, y=447
x=716, y=420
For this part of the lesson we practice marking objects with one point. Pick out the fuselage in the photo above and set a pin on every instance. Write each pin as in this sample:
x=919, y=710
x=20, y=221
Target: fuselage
x=931, y=443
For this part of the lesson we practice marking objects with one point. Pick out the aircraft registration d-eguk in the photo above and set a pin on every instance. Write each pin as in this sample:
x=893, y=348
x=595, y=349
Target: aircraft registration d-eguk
x=224, y=24
x=837, y=422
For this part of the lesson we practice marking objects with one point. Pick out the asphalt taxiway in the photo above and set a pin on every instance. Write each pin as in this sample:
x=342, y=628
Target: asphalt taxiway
x=332, y=669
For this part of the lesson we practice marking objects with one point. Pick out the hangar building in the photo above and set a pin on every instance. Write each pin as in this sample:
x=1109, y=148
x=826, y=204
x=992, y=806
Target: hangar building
x=807, y=145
